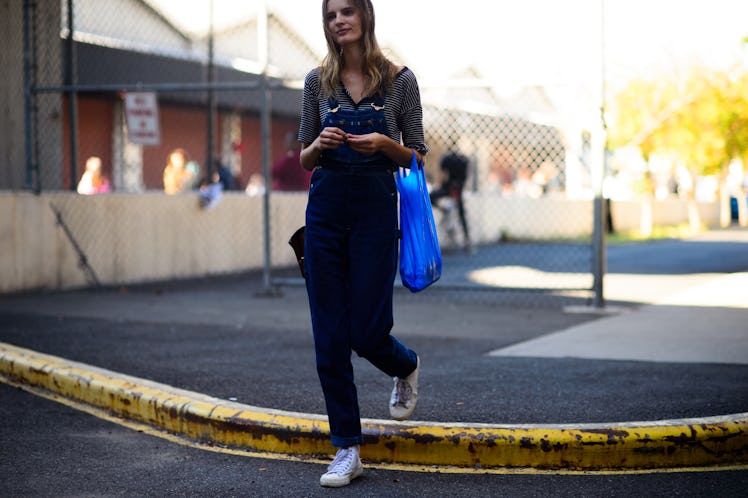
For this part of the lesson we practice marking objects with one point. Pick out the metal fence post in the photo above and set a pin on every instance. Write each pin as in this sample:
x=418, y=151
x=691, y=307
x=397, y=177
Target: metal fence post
x=210, y=153
x=598, y=175
x=266, y=106
x=27, y=90
x=73, y=99
x=599, y=253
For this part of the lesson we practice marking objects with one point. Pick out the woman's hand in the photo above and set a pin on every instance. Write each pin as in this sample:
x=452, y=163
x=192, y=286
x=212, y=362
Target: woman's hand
x=365, y=144
x=377, y=142
x=331, y=138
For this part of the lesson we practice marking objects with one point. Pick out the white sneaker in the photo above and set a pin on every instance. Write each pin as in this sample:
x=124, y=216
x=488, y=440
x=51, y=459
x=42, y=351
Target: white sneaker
x=405, y=394
x=344, y=468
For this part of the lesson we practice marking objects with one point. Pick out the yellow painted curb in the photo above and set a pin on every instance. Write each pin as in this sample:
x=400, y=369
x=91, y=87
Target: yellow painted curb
x=635, y=445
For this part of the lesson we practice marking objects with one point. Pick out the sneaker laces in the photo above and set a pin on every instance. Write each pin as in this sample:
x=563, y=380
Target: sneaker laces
x=344, y=462
x=402, y=393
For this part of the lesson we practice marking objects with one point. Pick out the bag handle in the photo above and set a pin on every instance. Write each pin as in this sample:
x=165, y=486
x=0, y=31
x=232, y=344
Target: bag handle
x=414, y=162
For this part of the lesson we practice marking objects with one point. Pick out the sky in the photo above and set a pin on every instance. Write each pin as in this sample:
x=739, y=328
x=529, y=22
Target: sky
x=528, y=42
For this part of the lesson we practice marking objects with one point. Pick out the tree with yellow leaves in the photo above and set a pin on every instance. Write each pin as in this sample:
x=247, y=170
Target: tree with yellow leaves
x=701, y=123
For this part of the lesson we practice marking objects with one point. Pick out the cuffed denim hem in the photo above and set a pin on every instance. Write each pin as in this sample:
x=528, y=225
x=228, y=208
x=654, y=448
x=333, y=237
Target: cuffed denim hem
x=345, y=442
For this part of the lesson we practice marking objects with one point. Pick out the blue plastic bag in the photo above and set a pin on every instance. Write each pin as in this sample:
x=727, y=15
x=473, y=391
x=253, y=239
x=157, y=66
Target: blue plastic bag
x=420, y=255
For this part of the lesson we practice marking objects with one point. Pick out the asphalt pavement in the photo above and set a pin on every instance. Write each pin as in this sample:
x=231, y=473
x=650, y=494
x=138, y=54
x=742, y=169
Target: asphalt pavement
x=671, y=345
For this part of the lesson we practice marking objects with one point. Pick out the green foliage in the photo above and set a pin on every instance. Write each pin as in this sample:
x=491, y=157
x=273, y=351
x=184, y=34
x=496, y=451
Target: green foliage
x=682, y=231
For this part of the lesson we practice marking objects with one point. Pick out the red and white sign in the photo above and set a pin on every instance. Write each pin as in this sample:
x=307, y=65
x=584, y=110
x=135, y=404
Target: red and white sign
x=141, y=112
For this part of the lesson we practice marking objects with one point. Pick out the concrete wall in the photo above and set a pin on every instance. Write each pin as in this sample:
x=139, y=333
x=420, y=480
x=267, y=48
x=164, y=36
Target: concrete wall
x=670, y=212
x=130, y=238
x=489, y=216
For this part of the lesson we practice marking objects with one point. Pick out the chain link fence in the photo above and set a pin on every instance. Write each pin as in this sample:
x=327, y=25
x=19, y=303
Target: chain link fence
x=229, y=97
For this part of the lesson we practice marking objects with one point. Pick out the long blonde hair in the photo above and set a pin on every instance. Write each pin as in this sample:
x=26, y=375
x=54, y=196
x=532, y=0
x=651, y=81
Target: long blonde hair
x=379, y=72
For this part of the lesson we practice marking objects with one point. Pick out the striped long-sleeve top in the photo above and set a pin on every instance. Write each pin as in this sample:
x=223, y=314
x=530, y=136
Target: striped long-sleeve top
x=403, y=110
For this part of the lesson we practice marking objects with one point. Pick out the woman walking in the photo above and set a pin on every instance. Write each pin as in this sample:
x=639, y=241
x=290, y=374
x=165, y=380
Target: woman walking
x=358, y=111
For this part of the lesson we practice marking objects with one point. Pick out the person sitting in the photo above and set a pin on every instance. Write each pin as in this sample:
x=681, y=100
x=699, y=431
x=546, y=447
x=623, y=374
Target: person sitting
x=454, y=166
x=287, y=173
x=92, y=181
x=178, y=177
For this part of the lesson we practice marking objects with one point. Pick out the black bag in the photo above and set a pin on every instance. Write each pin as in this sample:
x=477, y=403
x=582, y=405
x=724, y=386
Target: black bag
x=297, y=244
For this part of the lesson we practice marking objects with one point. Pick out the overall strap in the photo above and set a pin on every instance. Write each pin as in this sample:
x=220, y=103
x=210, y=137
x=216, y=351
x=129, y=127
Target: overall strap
x=333, y=104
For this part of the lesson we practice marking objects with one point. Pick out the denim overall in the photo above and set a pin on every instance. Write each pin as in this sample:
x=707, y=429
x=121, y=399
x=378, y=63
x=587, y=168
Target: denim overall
x=350, y=259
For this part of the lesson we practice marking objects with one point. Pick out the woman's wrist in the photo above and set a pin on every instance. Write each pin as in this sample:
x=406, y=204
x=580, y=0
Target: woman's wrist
x=398, y=153
x=310, y=155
